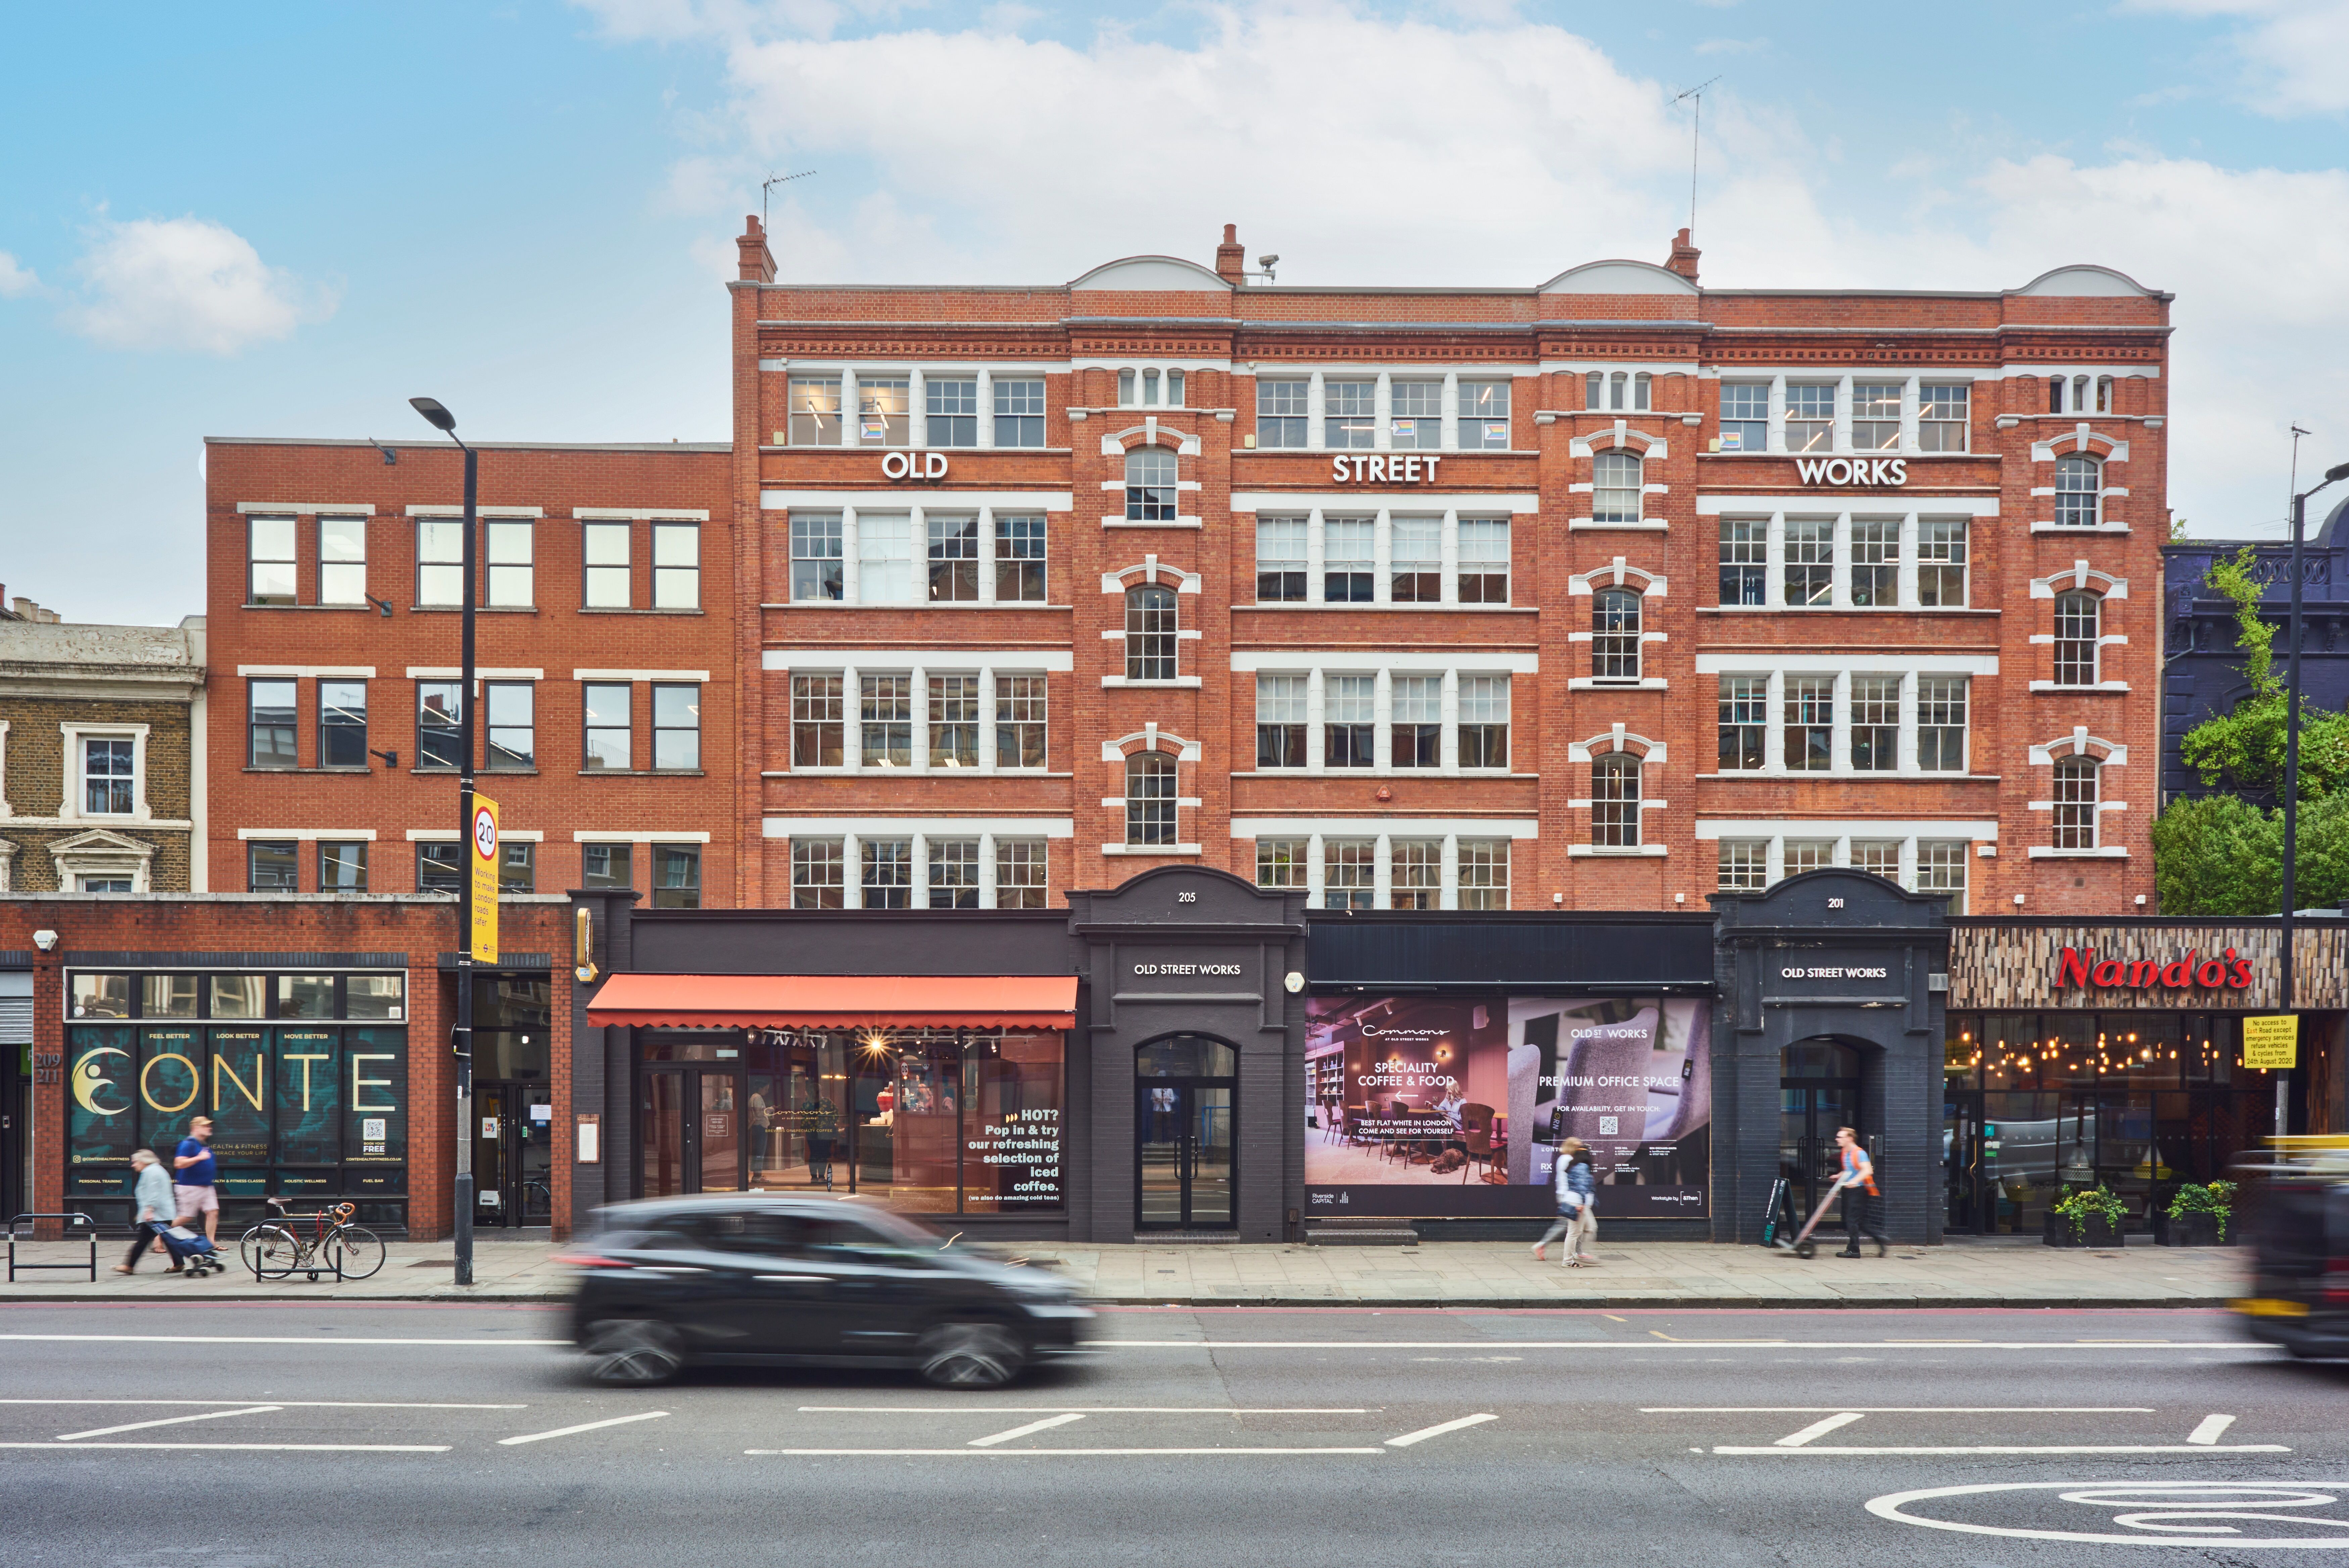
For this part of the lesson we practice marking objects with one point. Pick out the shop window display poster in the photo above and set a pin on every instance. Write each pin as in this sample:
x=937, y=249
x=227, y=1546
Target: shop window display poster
x=1454, y=1106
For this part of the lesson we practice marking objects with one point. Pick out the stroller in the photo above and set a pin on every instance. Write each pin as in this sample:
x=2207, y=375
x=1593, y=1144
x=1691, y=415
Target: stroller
x=192, y=1250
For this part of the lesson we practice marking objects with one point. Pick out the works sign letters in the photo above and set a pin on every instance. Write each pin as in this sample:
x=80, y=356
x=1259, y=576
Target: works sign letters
x=2082, y=967
x=1871, y=471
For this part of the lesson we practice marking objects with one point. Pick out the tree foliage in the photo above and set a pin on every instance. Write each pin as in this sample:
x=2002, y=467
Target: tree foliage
x=2245, y=749
x=2223, y=855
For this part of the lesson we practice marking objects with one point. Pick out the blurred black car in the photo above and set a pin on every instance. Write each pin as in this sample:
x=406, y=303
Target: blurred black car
x=752, y=1277
x=2299, y=1297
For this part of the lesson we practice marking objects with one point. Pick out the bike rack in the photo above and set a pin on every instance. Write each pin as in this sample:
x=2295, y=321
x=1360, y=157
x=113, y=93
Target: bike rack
x=89, y=1234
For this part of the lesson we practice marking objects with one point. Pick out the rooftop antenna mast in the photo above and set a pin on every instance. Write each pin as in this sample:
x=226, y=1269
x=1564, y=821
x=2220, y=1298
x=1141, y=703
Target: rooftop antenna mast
x=1696, y=132
x=767, y=189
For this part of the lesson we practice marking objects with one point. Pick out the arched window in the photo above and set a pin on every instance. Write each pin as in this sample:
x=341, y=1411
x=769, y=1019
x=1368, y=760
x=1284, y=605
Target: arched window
x=1615, y=635
x=2079, y=484
x=1150, y=633
x=2077, y=619
x=1150, y=798
x=1150, y=485
x=1615, y=801
x=2076, y=802
x=1615, y=495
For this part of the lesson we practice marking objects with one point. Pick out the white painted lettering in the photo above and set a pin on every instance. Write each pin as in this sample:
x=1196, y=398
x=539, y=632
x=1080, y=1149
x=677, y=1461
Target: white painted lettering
x=1338, y=469
x=894, y=465
x=1378, y=468
x=933, y=466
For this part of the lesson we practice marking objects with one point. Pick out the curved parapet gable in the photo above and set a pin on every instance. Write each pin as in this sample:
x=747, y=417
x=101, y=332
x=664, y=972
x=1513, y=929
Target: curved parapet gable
x=2086, y=280
x=1617, y=277
x=1152, y=274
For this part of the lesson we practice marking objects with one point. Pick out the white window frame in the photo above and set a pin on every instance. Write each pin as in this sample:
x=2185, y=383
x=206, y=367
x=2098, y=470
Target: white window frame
x=328, y=566
x=70, y=809
x=1910, y=670
x=992, y=678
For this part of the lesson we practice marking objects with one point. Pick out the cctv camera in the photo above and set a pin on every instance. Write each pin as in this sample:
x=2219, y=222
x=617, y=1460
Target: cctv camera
x=45, y=940
x=1266, y=260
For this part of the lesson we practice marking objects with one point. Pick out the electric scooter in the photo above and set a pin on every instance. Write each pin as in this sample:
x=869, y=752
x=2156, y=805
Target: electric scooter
x=1802, y=1246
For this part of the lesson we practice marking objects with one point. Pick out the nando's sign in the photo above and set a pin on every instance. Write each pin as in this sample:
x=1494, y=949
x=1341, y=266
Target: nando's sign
x=2081, y=966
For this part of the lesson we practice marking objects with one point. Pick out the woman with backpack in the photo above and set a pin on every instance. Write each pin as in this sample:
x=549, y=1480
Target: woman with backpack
x=1578, y=1220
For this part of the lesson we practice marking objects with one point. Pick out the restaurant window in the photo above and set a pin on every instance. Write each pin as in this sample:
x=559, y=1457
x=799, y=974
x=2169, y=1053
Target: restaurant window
x=887, y=715
x=1281, y=412
x=1810, y=416
x=885, y=409
x=1615, y=801
x=1416, y=416
x=953, y=723
x=1810, y=563
x=676, y=877
x=342, y=724
x=1941, y=564
x=511, y=707
x=342, y=560
x=1810, y=722
x=951, y=403
x=818, y=721
x=1150, y=633
x=1280, y=721
x=1415, y=873
x=814, y=403
x=342, y=866
x=1018, y=559
x=1281, y=862
x=1875, y=723
x=272, y=865
x=440, y=561
x=953, y=559
x=1349, y=411
x=1941, y=723
x=1349, y=876
x=1615, y=635
x=1150, y=800
x=815, y=558
x=508, y=546
x=954, y=874
x=1744, y=718
x=1415, y=731
x=676, y=726
x=885, y=872
x=1744, y=416
x=1019, y=720
x=1483, y=873
x=676, y=565
x=2078, y=619
x=439, y=867
x=1484, y=560
x=1350, y=721
x=1616, y=495
x=1020, y=873
x=1942, y=418
x=1020, y=412
x=884, y=558
x=1280, y=562
x=606, y=866
x=271, y=565
x=816, y=873
x=270, y=712
x=2079, y=499
x=1876, y=416
x=1742, y=864
x=609, y=743
x=1483, y=416
x=1876, y=564
x=604, y=547
x=517, y=866
x=1483, y=721
x=1151, y=493
x=1744, y=561
x=2076, y=799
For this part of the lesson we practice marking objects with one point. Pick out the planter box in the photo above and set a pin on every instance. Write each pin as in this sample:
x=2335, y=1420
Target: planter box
x=2188, y=1229
x=2097, y=1234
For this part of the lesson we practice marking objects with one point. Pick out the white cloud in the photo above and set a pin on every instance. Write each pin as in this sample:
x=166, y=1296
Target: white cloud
x=187, y=283
x=2291, y=50
x=16, y=279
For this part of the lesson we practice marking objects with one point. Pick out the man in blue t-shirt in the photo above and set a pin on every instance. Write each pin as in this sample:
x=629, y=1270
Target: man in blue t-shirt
x=192, y=1179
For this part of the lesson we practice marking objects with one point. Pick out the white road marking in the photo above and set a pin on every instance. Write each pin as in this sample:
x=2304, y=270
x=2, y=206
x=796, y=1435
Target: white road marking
x=325, y=1341
x=1817, y=1429
x=249, y=1447
x=284, y=1404
x=1046, y=1425
x=1408, y=1439
x=583, y=1427
x=1029, y=1453
x=2025, y=1448
x=1091, y=1409
x=168, y=1421
x=2179, y=1505
x=1620, y=1345
x=2212, y=1428
x=1898, y=1409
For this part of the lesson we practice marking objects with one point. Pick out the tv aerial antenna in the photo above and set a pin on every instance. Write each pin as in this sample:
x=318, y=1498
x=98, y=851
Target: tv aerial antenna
x=767, y=187
x=1696, y=134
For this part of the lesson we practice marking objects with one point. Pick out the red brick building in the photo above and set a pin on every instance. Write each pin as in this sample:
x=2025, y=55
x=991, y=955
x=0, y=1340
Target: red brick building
x=1602, y=594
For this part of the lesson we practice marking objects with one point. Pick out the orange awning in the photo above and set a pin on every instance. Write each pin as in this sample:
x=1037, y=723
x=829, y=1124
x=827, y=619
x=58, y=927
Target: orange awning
x=837, y=1000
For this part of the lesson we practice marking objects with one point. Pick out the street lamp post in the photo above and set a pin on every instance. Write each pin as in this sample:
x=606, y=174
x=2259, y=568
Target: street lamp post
x=2292, y=753
x=461, y=1037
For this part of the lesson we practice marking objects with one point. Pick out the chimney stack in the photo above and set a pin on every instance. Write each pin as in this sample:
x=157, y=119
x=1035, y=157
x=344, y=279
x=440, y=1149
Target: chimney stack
x=1231, y=257
x=1683, y=256
x=758, y=263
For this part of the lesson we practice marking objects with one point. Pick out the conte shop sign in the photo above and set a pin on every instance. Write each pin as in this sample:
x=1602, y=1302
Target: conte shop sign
x=2080, y=967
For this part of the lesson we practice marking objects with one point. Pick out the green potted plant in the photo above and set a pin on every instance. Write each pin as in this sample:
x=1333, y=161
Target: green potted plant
x=2197, y=1216
x=2086, y=1217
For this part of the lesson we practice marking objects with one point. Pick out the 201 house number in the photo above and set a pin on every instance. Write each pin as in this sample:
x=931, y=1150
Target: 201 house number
x=1186, y=898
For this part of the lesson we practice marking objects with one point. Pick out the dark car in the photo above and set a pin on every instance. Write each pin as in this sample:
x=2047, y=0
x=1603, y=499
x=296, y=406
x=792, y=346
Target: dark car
x=762, y=1278
x=2299, y=1297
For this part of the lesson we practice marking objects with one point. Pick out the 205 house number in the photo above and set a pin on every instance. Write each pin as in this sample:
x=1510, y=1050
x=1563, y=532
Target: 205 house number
x=1186, y=898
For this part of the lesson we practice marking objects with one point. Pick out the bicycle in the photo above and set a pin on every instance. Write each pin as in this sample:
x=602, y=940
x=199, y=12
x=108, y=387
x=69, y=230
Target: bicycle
x=277, y=1250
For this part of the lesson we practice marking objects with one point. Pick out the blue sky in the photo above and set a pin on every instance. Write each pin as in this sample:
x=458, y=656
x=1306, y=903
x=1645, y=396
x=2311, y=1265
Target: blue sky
x=286, y=220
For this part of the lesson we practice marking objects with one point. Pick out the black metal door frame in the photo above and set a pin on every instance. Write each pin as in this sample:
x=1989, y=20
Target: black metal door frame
x=1185, y=1157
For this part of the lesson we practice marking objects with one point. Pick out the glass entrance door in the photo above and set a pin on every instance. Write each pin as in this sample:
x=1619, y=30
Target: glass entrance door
x=1971, y=1201
x=1185, y=1097
x=513, y=1154
x=1818, y=1090
x=691, y=1134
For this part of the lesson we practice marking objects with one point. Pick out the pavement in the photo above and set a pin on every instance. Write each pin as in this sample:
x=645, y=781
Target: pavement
x=1986, y=1272
x=239, y=1434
